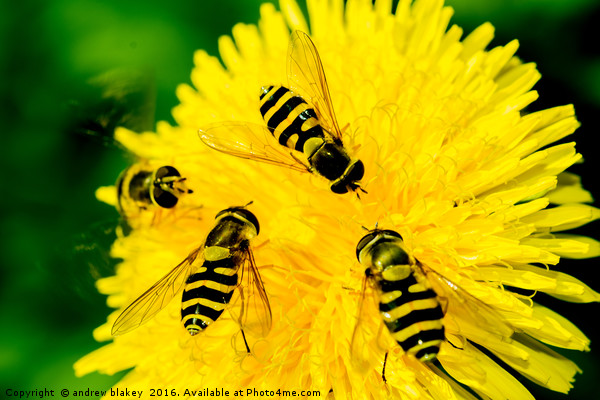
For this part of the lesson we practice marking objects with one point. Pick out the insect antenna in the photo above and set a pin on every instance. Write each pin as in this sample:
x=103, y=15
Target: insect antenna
x=354, y=187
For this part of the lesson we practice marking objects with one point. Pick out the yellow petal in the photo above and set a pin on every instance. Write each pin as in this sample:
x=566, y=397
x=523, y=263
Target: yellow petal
x=569, y=246
x=564, y=217
x=229, y=53
x=477, y=40
x=544, y=366
x=569, y=190
x=471, y=367
x=273, y=29
x=553, y=124
x=293, y=15
x=529, y=277
x=557, y=330
x=107, y=194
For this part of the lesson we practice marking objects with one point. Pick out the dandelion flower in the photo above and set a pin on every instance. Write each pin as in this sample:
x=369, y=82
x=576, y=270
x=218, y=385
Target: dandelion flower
x=474, y=185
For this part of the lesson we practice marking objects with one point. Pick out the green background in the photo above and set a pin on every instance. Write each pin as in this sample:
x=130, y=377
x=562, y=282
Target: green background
x=55, y=234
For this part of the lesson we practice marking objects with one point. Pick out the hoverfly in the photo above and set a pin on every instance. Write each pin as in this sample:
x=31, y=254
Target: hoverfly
x=410, y=298
x=140, y=187
x=408, y=305
x=300, y=117
x=208, y=276
x=119, y=97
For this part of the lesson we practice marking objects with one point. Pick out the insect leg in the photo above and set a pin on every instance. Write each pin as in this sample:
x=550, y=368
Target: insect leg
x=383, y=370
x=308, y=167
x=245, y=341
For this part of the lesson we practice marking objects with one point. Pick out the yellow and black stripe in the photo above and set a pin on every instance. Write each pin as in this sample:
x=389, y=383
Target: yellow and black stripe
x=207, y=293
x=289, y=118
x=411, y=311
x=408, y=305
x=207, y=289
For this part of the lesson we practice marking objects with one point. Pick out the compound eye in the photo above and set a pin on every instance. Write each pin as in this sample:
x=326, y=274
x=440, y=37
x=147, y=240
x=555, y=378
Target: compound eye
x=339, y=187
x=368, y=238
x=163, y=199
x=250, y=217
x=356, y=172
x=167, y=171
x=247, y=215
x=392, y=233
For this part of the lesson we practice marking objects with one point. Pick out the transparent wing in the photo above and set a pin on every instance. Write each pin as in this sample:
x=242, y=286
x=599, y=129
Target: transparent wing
x=116, y=97
x=155, y=298
x=367, y=328
x=306, y=78
x=462, y=305
x=251, y=141
x=251, y=308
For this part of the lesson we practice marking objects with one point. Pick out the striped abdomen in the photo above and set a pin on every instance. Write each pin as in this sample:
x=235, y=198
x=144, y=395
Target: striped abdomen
x=412, y=313
x=207, y=293
x=289, y=118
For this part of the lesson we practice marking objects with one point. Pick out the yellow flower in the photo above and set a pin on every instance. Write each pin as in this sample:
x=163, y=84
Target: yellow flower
x=473, y=184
